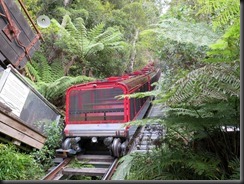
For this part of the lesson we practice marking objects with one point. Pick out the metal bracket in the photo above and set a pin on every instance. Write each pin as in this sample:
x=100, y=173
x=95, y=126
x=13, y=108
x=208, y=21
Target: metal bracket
x=11, y=30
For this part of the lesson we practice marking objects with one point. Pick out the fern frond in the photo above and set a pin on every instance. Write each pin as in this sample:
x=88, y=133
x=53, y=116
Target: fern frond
x=108, y=36
x=71, y=28
x=57, y=70
x=65, y=20
x=124, y=168
x=58, y=87
x=96, y=31
x=80, y=25
x=203, y=164
x=228, y=47
x=32, y=73
x=182, y=112
x=46, y=71
x=42, y=87
x=116, y=35
x=209, y=82
x=225, y=11
x=94, y=48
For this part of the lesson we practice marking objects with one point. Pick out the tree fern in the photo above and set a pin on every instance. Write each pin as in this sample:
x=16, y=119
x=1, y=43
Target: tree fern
x=57, y=88
x=227, y=48
x=32, y=73
x=85, y=43
x=57, y=70
x=201, y=103
x=96, y=31
x=235, y=164
x=41, y=68
x=173, y=165
x=209, y=82
x=225, y=11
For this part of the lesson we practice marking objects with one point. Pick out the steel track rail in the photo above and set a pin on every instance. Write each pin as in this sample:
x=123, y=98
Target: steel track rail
x=111, y=170
x=53, y=173
x=61, y=170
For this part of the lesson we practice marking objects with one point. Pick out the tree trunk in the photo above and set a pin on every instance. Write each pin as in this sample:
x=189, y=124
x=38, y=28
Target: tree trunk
x=67, y=67
x=133, y=51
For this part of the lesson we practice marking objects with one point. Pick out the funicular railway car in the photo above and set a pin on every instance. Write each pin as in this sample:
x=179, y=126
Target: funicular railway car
x=95, y=116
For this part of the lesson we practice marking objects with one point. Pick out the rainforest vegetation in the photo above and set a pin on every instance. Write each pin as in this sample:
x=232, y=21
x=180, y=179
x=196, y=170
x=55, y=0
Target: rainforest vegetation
x=196, y=43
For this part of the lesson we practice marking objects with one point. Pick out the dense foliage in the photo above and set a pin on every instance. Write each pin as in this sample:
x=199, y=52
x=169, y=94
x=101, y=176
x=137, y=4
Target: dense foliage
x=44, y=157
x=16, y=165
x=89, y=38
x=197, y=44
x=202, y=117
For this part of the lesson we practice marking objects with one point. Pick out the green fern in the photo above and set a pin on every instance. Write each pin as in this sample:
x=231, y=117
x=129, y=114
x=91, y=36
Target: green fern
x=32, y=73
x=41, y=65
x=227, y=48
x=225, y=11
x=85, y=42
x=209, y=82
x=123, y=169
x=168, y=164
x=204, y=164
x=42, y=87
x=235, y=166
x=57, y=70
x=95, y=32
x=57, y=88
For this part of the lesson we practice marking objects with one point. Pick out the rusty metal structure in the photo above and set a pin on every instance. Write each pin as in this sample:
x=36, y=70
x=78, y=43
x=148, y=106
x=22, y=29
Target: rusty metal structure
x=18, y=40
x=23, y=110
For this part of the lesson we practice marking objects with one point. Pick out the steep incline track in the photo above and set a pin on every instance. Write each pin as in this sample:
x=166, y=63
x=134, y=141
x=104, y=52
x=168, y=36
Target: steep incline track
x=99, y=166
x=102, y=167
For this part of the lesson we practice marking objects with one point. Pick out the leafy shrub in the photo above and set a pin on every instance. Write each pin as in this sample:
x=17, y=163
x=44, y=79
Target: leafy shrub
x=45, y=155
x=17, y=166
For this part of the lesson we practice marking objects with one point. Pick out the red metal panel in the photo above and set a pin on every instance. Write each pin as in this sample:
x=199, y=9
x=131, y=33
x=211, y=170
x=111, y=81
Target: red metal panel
x=97, y=103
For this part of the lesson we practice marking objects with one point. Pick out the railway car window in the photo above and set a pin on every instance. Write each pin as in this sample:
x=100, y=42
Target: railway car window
x=132, y=108
x=137, y=105
x=146, y=87
x=96, y=105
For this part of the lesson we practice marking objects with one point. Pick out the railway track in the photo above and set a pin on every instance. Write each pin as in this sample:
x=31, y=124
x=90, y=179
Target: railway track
x=100, y=166
x=149, y=138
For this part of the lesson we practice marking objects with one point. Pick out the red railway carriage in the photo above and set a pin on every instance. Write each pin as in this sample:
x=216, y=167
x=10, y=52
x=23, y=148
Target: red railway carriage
x=94, y=113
